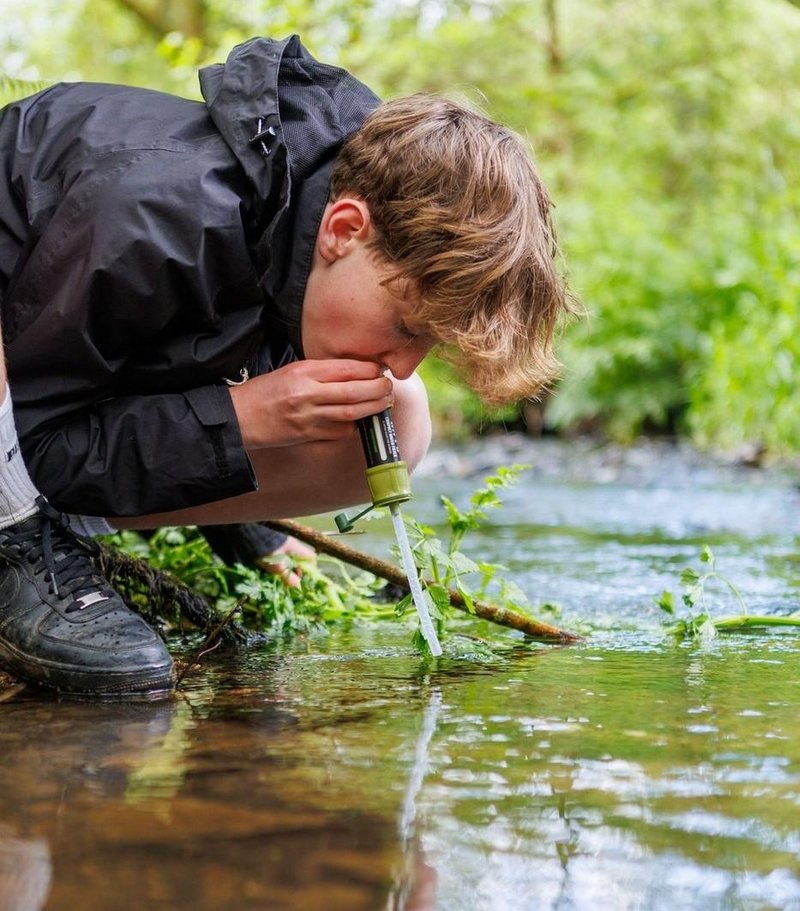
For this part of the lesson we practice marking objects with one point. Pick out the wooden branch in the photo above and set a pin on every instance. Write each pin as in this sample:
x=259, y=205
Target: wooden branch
x=188, y=17
x=500, y=615
x=212, y=640
x=553, y=42
x=150, y=19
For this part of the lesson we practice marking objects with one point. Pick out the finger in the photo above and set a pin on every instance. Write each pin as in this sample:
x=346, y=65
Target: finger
x=290, y=578
x=297, y=549
x=280, y=568
x=354, y=392
x=330, y=415
x=342, y=369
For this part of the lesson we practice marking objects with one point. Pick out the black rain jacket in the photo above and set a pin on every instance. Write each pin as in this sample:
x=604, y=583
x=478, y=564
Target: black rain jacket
x=150, y=247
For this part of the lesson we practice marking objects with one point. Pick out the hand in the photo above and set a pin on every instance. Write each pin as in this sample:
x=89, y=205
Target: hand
x=287, y=569
x=309, y=400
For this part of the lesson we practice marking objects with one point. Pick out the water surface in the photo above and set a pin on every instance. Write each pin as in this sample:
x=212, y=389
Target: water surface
x=344, y=772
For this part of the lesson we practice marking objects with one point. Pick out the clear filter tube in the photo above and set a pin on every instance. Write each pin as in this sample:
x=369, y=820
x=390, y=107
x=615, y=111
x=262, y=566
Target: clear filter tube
x=410, y=568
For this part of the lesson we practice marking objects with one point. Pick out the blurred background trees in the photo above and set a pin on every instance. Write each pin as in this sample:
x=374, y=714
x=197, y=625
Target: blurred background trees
x=668, y=133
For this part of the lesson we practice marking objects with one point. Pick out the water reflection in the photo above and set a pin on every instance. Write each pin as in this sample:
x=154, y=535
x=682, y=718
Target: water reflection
x=355, y=776
x=416, y=883
x=234, y=795
x=594, y=788
x=25, y=872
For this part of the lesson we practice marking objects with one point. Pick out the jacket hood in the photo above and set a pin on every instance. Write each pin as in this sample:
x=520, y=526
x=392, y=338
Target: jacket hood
x=285, y=116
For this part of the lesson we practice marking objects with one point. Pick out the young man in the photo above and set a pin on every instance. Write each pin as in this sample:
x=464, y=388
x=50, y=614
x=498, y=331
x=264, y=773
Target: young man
x=199, y=300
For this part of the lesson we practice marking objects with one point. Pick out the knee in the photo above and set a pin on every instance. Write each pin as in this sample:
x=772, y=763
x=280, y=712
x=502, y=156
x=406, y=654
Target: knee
x=412, y=419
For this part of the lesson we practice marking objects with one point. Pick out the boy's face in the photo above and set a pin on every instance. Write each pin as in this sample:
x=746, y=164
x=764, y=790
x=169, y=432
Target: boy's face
x=347, y=312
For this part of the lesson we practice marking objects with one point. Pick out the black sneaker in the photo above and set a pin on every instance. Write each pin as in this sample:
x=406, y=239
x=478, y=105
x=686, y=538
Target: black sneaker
x=61, y=623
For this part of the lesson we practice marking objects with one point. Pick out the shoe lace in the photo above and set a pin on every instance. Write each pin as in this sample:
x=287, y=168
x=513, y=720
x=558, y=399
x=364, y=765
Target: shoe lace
x=68, y=569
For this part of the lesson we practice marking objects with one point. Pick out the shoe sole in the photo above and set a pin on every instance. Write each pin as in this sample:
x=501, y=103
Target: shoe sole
x=151, y=683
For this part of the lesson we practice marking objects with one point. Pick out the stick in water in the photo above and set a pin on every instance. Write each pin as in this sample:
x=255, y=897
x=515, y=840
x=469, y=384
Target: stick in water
x=500, y=615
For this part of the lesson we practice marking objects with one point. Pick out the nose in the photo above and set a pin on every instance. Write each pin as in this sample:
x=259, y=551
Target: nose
x=402, y=362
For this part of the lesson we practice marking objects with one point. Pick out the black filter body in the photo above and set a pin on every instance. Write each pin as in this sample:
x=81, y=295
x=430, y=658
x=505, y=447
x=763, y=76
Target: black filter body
x=379, y=439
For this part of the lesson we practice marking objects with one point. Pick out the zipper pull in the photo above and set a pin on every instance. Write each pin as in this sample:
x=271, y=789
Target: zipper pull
x=244, y=373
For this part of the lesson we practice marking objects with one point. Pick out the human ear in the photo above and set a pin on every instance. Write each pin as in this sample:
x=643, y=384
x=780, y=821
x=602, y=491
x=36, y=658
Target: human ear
x=345, y=223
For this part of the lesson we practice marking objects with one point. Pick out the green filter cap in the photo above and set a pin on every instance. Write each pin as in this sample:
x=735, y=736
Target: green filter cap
x=389, y=483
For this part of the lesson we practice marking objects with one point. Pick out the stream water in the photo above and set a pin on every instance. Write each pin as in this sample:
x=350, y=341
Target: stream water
x=629, y=771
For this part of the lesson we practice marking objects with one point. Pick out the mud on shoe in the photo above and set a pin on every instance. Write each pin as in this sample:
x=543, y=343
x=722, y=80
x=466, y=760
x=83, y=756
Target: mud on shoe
x=62, y=625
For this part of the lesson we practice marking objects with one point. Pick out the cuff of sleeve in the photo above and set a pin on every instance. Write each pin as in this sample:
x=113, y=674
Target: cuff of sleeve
x=213, y=408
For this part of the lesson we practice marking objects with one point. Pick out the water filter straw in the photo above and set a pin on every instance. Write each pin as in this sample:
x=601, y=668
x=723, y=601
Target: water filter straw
x=387, y=473
x=410, y=569
x=387, y=477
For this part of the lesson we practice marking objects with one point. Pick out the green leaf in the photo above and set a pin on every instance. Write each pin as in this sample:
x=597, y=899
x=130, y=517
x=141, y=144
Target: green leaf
x=252, y=589
x=689, y=576
x=666, y=601
x=462, y=564
x=172, y=536
x=483, y=499
x=419, y=643
x=453, y=513
x=439, y=599
x=469, y=602
x=696, y=592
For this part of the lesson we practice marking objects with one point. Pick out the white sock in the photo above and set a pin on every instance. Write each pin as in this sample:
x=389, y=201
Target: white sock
x=17, y=493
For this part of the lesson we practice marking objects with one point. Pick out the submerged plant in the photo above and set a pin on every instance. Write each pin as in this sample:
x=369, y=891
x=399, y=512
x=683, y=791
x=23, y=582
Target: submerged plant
x=697, y=622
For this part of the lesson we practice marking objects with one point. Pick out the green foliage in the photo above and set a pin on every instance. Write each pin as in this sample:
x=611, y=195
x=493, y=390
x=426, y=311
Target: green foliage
x=267, y=604
x=748, y=394
x=697, y=622
x=457, y=411
x=685, y=194
x=336, y=595
x=486, y=497
x=670, y=141
x=443, y=566
x=12, y=89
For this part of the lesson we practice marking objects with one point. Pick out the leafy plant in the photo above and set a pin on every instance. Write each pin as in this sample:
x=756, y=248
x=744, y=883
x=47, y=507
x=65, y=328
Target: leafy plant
x=698, y=623
x=337, y=594
x=266, y=603
x=11, y=89
x=444, y=566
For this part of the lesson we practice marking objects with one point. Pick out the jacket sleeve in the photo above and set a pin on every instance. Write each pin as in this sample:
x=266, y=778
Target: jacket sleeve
x=142, y=454
x=124, y=318
x=243, y=543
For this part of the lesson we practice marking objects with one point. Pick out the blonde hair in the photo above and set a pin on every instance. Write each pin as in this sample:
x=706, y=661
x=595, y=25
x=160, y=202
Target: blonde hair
x=459, y=209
